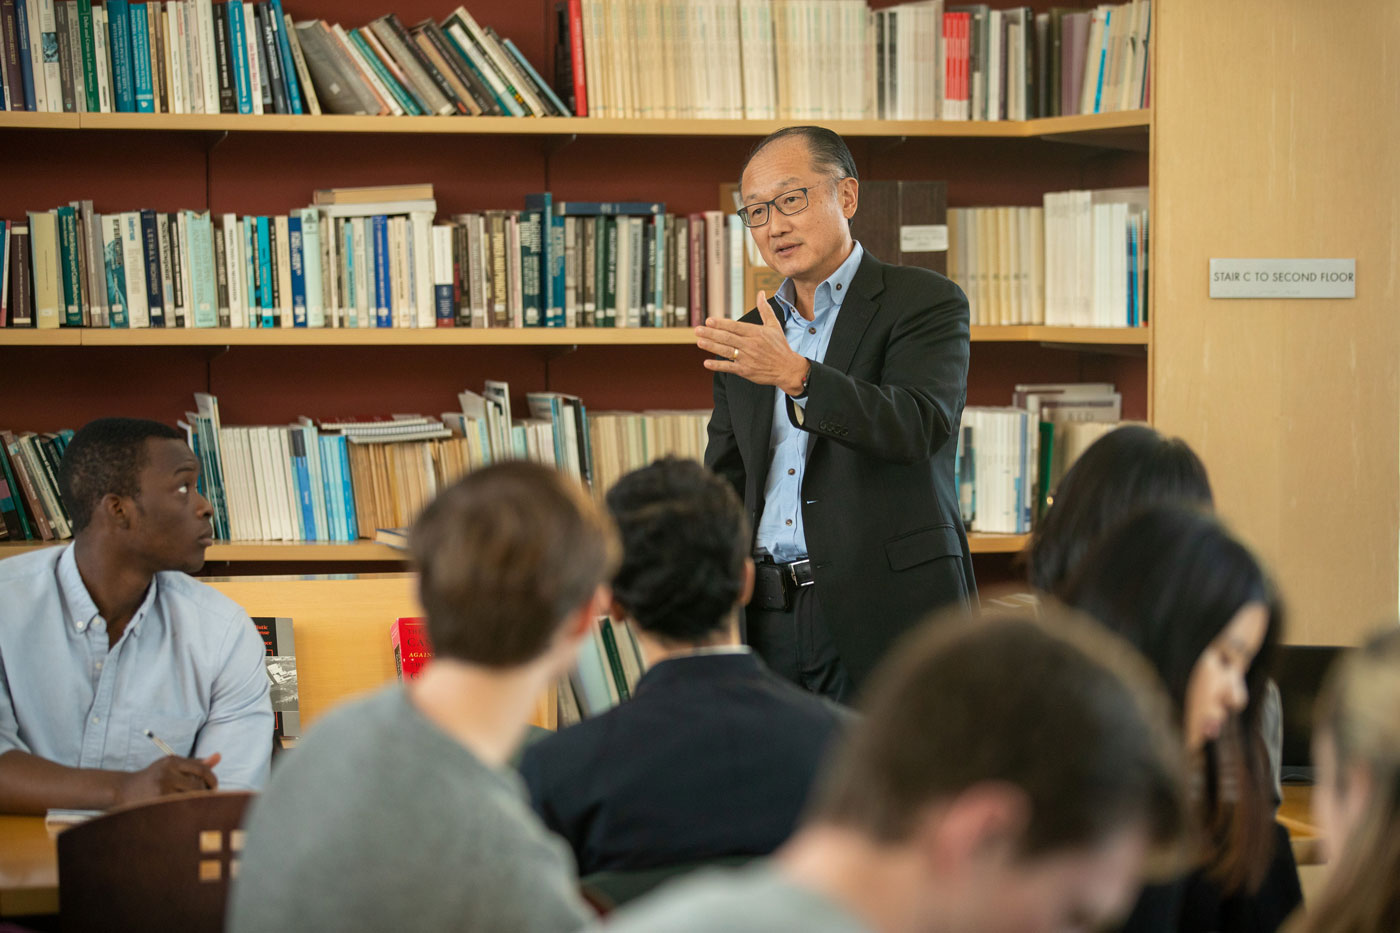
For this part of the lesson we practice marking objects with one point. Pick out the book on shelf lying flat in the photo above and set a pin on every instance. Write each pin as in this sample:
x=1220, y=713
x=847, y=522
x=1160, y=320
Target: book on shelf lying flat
x=251, y=58
x=357, y=263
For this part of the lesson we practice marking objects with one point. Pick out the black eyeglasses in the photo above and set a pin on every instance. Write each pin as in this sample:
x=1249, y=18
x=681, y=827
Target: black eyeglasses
x=789, y=202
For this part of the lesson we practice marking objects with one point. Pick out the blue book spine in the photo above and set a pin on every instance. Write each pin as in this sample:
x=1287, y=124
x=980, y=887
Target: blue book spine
x=150, y=250
x=238, y=54
x=383, y=303
x=404, y=96
x=114, y=267
x=141, y=63
x=294, y=244
x=557, y=270
x=530, y=240
x=347, y=490
x=119, y=50
x=1103, y=62
x=284, y=49
x=302, y=473
x=328, y=490
x=352, y=294
x=269, y=313
x=508, y=105
x=658, y=278
x=26, y=59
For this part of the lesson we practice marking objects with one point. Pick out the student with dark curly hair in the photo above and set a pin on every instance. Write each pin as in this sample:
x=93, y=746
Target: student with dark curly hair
x=109, y=637
x=715, y=754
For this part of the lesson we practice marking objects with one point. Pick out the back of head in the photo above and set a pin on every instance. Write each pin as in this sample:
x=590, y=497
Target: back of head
x=1170, y=580
x=504, y=556
x=964, y=703
x=106, y=456
x=685, y=539
x=1124, y=471
x=1358, y=711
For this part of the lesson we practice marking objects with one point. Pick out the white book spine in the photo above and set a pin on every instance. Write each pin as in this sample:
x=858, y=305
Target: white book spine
x=175, y=48
x=254, y=68
x=209, y=63
x=138, y=311
x=100, y=54
x=421, y=251
x=48, y=50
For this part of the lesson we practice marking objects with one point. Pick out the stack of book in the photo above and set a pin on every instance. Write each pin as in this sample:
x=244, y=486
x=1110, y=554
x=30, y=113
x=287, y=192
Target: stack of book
x=373, y=258
x=31, y=508
x=838, y=59
x=1079, y=261
x=346, y=479
x=1010, y=460
x=196, y=56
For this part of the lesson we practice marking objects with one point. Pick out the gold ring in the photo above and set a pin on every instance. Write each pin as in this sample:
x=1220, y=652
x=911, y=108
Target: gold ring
x=736, y=354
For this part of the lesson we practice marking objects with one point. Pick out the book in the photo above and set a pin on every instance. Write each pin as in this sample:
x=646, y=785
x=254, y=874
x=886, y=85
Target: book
x=905, y=221
x=279, y=641
x=412, y=649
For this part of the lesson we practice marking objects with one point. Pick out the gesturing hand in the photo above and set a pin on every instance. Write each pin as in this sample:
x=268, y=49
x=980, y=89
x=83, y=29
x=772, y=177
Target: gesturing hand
x=756, y=352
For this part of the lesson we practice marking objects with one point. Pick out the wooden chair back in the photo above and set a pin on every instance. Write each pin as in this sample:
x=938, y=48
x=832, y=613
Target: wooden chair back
x=160, y=865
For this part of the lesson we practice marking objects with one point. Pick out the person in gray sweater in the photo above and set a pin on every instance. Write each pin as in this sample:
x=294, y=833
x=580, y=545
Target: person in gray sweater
x=399, y=811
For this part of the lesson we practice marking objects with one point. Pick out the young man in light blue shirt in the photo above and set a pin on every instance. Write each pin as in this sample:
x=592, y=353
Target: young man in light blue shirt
x=108, y=638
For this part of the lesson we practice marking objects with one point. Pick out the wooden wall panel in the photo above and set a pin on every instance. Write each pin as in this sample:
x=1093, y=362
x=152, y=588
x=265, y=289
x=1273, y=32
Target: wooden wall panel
x=1283, y=144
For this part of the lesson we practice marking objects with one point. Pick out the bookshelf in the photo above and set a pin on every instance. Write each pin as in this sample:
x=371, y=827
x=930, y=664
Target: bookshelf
x=494, y=337
x=271, y=163
x=264, y=552
x=1127, y=128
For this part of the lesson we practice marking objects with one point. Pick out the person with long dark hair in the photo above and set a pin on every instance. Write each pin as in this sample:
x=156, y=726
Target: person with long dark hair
x=1356, y=746
x=1126, y=470
x=1199, y=606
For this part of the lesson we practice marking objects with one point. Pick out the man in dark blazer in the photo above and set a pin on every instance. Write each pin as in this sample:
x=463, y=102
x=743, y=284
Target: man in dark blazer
x=837, y=406
x=714, y=754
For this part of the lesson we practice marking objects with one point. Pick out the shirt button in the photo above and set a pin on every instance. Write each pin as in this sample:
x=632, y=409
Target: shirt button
x=99, y=665
x=811, y=330
x=95, y=720
x=80, y=625
x=789, y=521
x=791, y=471
x=98, y=625
x=838, y=286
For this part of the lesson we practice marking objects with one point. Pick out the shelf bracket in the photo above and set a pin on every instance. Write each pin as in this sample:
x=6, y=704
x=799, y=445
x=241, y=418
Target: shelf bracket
x=554, y=144
x=890, y=144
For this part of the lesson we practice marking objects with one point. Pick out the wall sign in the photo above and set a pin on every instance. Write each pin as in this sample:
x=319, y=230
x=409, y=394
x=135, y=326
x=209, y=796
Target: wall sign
x=1283, y=278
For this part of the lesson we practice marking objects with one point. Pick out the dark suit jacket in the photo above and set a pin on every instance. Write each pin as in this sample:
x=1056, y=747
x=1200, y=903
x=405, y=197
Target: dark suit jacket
x=879, y=498
x=713, y=756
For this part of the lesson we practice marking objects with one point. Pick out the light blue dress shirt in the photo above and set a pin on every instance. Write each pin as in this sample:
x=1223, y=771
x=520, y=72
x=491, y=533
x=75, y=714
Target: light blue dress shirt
x=189, y=667
x=780, y=531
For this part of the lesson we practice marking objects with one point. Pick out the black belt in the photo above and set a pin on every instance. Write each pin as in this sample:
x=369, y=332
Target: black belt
x=775, y=584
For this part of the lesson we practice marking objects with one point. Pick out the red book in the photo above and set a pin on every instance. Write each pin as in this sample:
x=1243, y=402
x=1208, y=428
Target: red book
x=576, y=51
x=412, y=650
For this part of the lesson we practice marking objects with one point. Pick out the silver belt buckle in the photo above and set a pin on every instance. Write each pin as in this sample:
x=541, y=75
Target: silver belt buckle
x=792, y=570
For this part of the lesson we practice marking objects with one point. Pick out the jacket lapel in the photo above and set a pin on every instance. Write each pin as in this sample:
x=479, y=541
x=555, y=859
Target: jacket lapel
x=856, y=313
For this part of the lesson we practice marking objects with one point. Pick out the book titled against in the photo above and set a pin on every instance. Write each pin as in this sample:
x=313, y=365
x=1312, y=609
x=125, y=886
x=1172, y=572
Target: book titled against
x=409, y=638
x=282, y=672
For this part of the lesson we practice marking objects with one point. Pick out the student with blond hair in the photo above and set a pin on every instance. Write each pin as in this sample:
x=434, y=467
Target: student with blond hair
x=1356, y=747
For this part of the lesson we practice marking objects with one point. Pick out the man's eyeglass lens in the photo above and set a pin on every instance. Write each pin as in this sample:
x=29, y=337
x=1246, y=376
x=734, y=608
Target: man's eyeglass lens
x=789, y=202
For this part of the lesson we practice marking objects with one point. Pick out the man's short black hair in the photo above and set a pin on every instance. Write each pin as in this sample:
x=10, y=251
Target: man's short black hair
x=684, y=542
x=105, y=456
x=829, y=151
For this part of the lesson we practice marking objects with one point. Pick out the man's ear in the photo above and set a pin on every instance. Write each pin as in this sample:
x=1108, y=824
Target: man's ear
x=848, y=191
x=117, y=509
x=986, y=821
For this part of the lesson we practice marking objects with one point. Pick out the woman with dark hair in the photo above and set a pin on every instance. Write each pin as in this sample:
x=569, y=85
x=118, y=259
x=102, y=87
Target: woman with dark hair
x=1198, y=605
x=1128, y=469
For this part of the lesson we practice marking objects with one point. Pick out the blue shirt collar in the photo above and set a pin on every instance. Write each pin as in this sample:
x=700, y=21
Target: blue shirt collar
x=828, y=292
x=80, y=602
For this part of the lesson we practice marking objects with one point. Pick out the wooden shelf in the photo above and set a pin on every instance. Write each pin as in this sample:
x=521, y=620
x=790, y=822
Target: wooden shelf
x=304, y=552
x=1132, y=121
x=485, y=337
